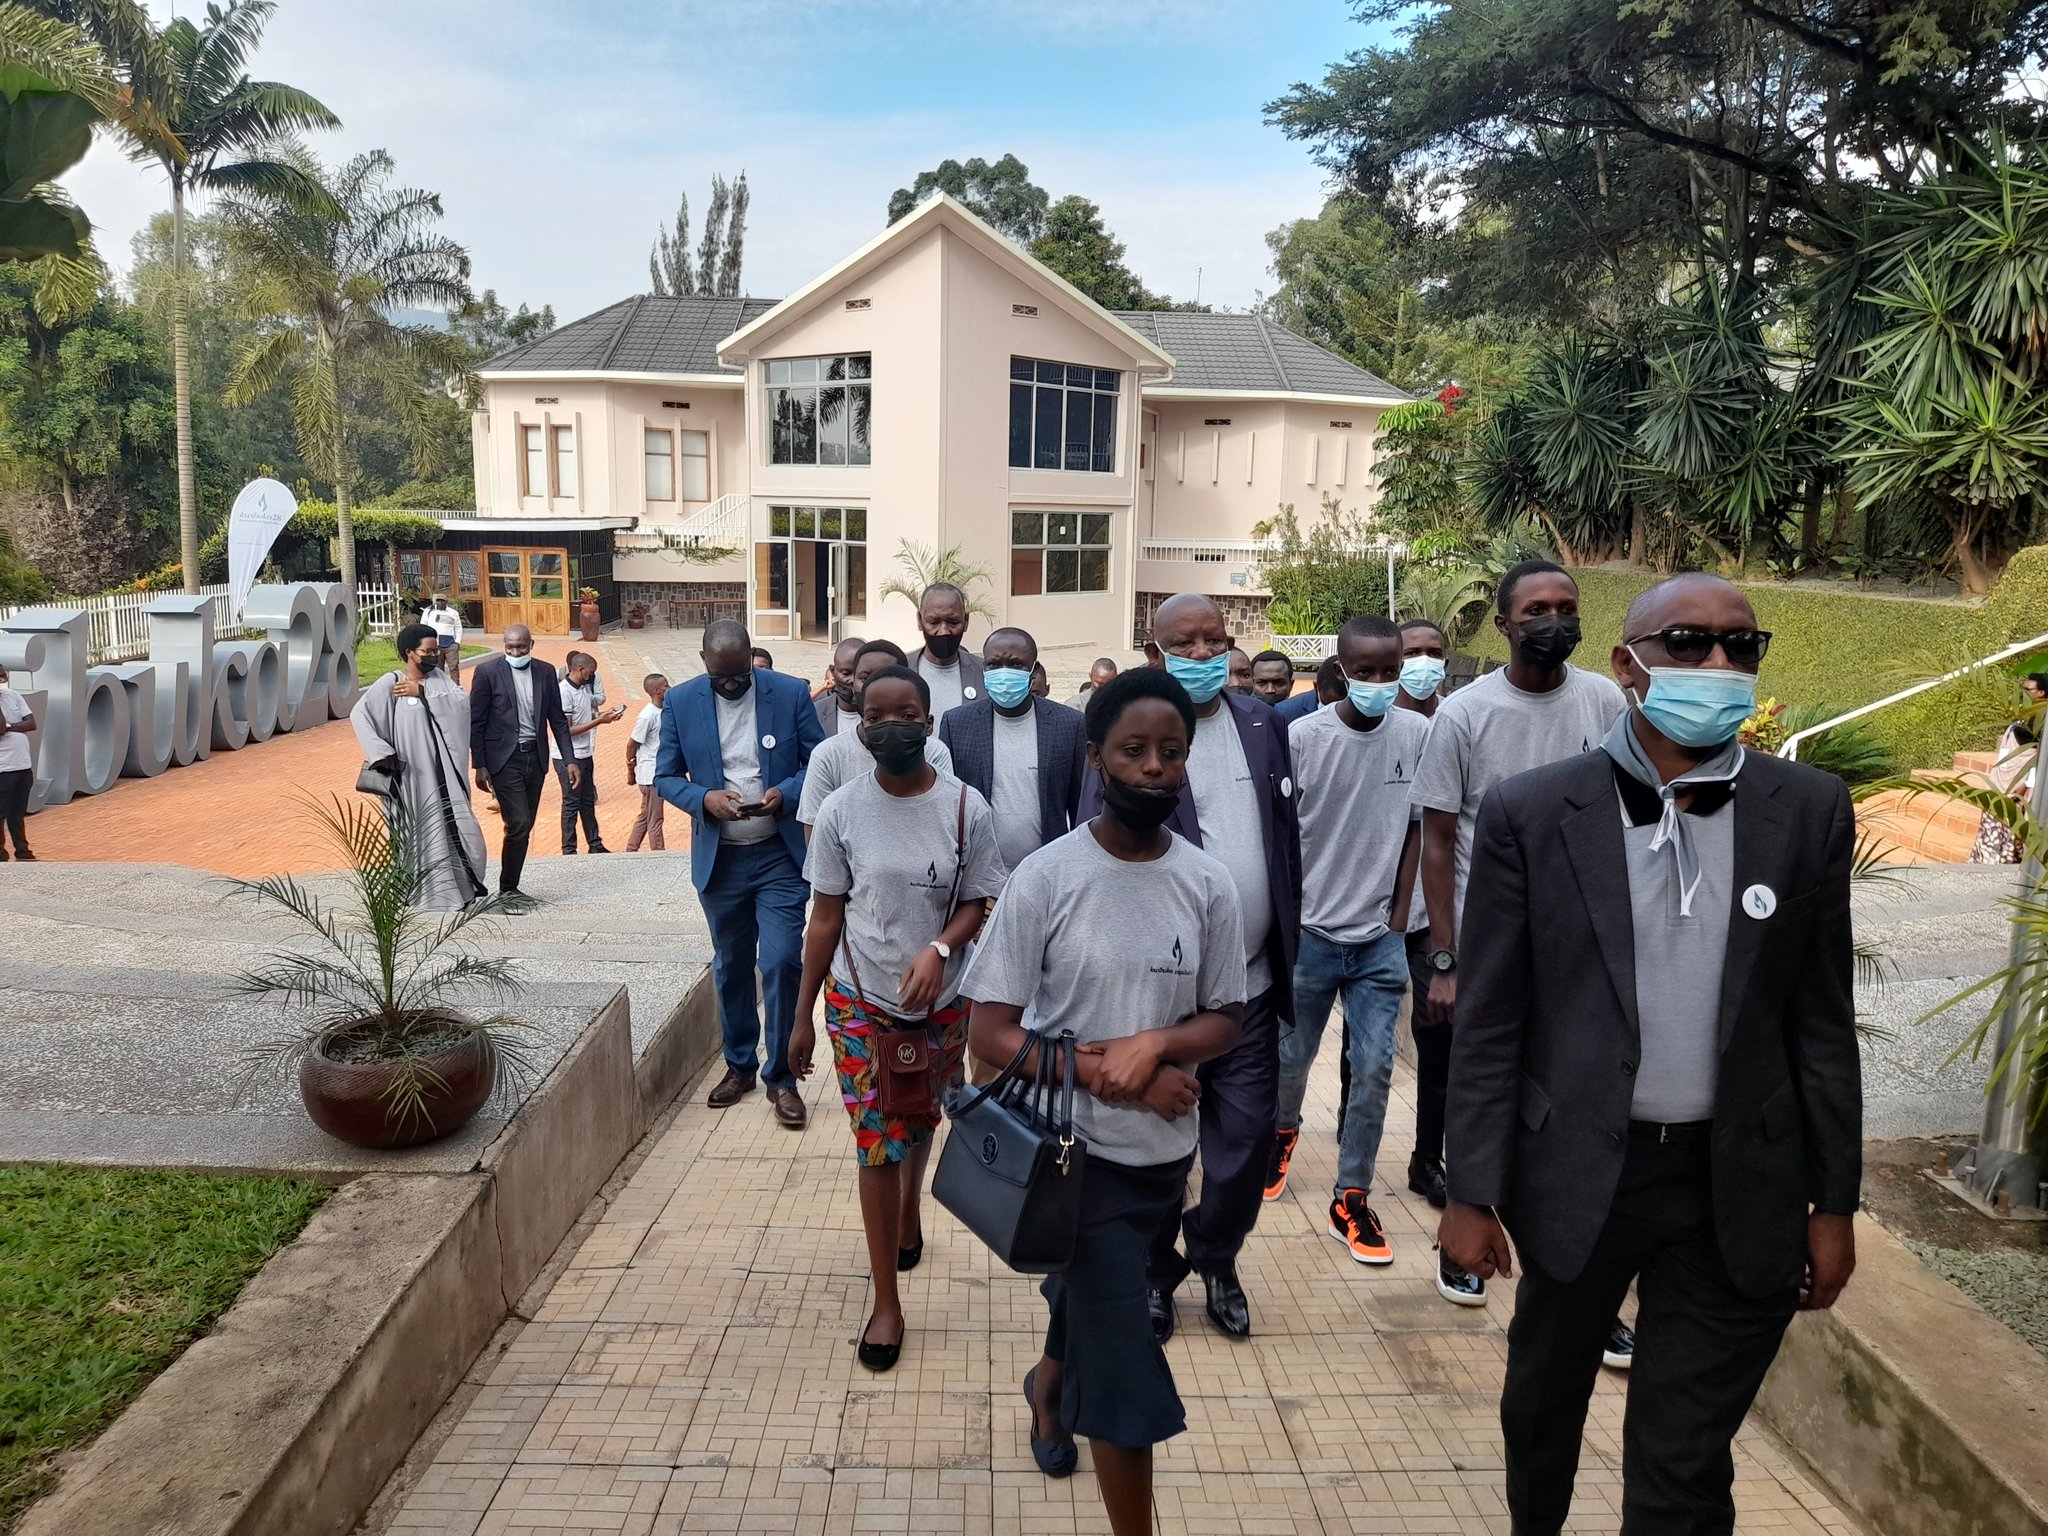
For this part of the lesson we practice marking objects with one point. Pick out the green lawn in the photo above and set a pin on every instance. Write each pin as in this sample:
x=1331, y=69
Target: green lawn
x=378, y=654
x=105, y=1275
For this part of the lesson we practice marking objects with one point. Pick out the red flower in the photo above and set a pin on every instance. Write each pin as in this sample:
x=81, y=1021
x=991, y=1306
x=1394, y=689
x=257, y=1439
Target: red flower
x=1449, y=396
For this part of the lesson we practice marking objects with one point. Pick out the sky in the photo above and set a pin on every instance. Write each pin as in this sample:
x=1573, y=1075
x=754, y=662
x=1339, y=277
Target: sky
x=559, y=133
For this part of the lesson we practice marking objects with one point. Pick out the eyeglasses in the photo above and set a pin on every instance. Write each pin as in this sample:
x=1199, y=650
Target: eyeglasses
x=1689, y=646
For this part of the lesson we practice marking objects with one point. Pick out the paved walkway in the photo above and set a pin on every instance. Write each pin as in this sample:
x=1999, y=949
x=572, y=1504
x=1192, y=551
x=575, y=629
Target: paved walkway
x=693, y=1370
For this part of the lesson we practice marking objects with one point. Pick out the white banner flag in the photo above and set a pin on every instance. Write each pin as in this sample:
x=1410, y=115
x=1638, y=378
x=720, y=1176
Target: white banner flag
x=263, y=508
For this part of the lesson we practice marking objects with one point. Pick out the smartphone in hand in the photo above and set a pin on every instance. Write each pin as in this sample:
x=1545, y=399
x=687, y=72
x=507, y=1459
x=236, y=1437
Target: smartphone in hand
x=754, y=808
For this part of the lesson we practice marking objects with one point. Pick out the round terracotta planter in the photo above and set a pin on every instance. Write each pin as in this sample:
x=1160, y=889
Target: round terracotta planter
x=349, y=1099
x=587, y=621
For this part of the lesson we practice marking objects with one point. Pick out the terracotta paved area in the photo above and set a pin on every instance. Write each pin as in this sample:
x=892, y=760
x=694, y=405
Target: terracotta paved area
x=693, y=1370
x=237, y=813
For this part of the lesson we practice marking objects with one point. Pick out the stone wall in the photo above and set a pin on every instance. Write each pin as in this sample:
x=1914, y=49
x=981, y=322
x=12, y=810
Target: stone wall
x=1245, y=617
x=685, y=604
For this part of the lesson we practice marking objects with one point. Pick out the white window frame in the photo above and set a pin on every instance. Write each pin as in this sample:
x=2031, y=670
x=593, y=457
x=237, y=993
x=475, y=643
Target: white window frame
x=648, y=458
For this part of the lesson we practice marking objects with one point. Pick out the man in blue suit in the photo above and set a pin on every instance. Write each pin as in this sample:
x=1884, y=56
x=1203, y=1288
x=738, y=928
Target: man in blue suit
x=734, y=745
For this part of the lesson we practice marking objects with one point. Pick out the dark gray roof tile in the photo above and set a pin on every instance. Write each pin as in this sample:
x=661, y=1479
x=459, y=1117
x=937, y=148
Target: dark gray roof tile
x=643, y=334
x=1241, y=352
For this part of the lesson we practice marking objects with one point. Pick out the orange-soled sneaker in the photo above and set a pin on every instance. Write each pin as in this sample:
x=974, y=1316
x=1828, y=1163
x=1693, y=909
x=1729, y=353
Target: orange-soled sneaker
x=1354, y=1225
x=1276, y=1168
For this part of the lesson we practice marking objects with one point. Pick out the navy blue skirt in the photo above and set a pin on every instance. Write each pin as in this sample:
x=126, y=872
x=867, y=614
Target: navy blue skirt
x=1115, y=1384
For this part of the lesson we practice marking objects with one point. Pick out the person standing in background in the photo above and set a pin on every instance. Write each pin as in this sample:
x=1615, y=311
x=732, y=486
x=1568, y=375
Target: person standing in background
x=952, y=672
x=514, y=698
x=839, y=703
x=2014, y=772
x=1024, y=755
x=1423, y=648
x=415, y=721
x=1240, y=673
x=579, y=708
x=643, y=749
x=1100, y=671
x=17, y=769
x=839, y=759
x=1041, y=685
x=1328, y=690
x=761, y=658
x=1272, y=678
x=446, y=623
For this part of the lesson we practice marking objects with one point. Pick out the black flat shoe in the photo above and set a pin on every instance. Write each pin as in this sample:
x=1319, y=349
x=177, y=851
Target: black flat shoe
x=1160, y=1304
x=1055, y=1458
x=1227, y=1307
x=877, y=1357
x=908, y=1259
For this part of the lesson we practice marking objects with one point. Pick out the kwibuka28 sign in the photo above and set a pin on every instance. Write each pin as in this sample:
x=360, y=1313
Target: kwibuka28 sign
x=192, y=696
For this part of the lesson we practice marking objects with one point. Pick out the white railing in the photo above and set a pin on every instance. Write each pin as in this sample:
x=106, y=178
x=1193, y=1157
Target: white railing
x=120, y=620
x=1205, y=551
x=1790, y=750
x=722, y=525
x=1312, y=648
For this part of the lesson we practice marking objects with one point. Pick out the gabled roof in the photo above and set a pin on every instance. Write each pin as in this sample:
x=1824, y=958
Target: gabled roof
x=646, y=334
x=1234, y=354
x=948, y=211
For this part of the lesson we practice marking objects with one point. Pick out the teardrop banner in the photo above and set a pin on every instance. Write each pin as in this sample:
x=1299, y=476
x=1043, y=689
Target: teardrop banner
x=258, y=516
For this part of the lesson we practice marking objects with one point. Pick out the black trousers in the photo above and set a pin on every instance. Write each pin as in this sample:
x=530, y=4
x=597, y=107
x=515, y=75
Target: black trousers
x=1432, y=1055
x=518, y=786
x=1702, y=1348
x=578, y=802
x=1240, y=1110
x=14, y=787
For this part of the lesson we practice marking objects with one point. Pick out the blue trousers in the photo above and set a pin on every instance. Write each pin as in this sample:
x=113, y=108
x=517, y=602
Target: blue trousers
x=1372, y=977
x=754, y=902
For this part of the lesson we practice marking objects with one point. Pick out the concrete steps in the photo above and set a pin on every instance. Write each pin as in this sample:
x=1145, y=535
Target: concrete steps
x=1928, y=828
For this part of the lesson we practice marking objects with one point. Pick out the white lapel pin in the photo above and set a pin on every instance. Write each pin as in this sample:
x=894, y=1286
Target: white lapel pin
x=1286, y=787
x=1759, y=901
x=768, y=742
x=967, y=693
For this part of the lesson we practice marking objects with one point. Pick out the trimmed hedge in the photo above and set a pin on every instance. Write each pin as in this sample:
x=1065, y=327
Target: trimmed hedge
x=1845, y=647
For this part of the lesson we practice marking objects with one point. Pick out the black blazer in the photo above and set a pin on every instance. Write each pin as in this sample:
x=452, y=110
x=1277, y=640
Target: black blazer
x=969, y=732
x=1265, y=752
x=1546, y=1037
x=972, y=686
x=828, y=715
x=494, y=711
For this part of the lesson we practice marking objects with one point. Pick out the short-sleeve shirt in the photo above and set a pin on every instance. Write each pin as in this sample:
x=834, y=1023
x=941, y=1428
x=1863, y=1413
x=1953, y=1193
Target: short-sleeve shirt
x=1227, y=811
x=14, y=748
x=1491, y=730
x=580, y=708
x=1014, y=786
x=740, y=752
x=894, y=858
x=1355, y=815
x=839, y=759
x=946, y=684
x=647, y=739
x=1086, y=941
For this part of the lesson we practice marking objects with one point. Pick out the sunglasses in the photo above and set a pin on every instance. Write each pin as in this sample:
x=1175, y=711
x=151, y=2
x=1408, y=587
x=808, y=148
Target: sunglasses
x=1689, y=646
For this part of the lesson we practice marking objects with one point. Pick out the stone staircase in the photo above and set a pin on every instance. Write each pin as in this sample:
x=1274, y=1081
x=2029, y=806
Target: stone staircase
x=1927, y=828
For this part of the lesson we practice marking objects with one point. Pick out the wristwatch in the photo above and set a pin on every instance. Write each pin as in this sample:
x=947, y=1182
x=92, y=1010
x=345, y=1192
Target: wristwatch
x=945, y=950
x=1442, y=961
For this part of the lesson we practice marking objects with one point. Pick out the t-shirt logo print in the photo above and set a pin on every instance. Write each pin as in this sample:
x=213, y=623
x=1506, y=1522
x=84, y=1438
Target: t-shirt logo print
x=1177, y=964
x=930, y=882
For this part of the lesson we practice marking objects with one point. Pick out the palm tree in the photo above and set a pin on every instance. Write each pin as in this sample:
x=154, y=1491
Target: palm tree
x=323, y=283
x=218, y=131
x=924, y=566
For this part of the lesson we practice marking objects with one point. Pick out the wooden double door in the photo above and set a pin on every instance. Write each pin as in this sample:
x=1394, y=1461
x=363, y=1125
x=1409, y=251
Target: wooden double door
x=527, y=586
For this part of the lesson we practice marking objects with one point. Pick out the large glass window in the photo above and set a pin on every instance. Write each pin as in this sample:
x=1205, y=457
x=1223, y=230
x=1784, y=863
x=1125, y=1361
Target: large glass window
x=1062, y=416
x=1058, y=552
x=696, y=463
x=565, y=461
x=818, y=409
x=533, y=463
x=660, y=454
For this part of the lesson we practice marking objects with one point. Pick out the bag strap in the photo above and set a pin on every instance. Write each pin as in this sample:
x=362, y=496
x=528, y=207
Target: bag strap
x=1002, y=1079
x=952, y=901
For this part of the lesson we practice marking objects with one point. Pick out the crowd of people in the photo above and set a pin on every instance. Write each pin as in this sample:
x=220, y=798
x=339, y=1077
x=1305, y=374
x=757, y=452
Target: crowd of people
x=1623, y=940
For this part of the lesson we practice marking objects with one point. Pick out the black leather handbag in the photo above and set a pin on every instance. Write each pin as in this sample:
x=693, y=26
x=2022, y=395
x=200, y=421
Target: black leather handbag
x=1012, y=1169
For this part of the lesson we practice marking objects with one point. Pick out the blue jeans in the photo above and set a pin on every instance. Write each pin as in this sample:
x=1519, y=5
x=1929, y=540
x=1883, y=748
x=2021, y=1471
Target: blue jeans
x=1372, y=977
x=754, y=903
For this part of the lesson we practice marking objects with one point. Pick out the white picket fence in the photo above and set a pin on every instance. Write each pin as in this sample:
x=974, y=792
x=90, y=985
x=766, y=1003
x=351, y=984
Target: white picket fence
x=120, y=620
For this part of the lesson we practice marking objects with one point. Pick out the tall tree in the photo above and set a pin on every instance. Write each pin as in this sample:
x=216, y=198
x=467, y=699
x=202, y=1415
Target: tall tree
x=1078, y=245
x=1002, y=194
x=721, y=250
x=668, y=265
x=222, y=132
x=324, y=281
x=712, y=244
x=730, y=258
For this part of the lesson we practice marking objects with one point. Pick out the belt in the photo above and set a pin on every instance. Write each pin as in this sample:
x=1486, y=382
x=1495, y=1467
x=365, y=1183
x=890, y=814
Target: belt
x=528, y=746
x=1687, y=1132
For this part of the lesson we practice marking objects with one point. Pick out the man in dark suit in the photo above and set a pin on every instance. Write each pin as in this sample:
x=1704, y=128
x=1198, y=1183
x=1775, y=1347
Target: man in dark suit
x=949, y=669
x=1654, y=1072
x=513, y=698
x=1022, y=753
x=734, y=746
x=839, y=704
x=1239, y=806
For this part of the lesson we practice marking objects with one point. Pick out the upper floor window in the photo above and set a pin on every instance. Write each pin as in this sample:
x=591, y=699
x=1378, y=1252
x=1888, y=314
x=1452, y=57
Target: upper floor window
x=1058, y=552
x=533, y=463
x=818, y=409
x=565, y=461
x=1062, y=416
x=664, y=465
x=660, y=453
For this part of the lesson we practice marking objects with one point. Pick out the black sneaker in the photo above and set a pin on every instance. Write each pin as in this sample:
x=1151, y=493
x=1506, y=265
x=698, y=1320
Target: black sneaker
x=1426, y=1178
x=1620, y=1351
x=516, y=902
x=1460, y=1287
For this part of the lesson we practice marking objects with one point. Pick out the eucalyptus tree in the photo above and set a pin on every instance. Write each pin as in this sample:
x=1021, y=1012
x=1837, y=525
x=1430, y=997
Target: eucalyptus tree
x=324, y=279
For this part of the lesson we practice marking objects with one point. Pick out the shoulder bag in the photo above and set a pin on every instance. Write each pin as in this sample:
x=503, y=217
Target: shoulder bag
x=380, y=778
x=1012, y=1169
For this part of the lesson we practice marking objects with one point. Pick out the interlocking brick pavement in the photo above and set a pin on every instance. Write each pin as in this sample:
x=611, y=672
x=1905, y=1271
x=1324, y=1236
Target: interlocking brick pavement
x=692, y=1370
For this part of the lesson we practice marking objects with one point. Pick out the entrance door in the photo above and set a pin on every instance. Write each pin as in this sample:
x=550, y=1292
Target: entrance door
x=839, y=591
x=527, y=586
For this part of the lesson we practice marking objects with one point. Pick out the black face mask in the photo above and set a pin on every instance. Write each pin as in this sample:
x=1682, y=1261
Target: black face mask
x=942, y=648
x=427, y=661
x=897, y=745
x=1547, y=641
x=847, y=695
x=1142, y=810
x=732, y=688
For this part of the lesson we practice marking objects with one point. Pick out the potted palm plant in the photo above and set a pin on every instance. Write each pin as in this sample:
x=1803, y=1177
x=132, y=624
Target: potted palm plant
x=385, y=1052
x=636, y=616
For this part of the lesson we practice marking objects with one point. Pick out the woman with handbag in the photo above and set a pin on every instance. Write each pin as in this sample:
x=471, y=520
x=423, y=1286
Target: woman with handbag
x=414, y=728
x=1128, y=937
x=901, y=865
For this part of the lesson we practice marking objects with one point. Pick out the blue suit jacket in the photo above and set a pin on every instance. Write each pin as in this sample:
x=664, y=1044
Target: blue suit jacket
x=1296, y=705
x=1272, y=768
x=691, y=760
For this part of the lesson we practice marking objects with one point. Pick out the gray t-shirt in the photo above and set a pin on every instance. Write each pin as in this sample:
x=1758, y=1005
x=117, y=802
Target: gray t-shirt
x=1227, y=811
x=522, y=696
x=845, y=758
x=1086, y=941
x=1491, y=730
x=894, y=858
x=741, y=753
x=944, y=683
x=1355, y=815
x=1678, y=967
x=1015, y=785
x=847, y=721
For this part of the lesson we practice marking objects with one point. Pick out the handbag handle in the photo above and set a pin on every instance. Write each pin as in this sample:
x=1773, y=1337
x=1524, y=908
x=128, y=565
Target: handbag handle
x=1002, y=1079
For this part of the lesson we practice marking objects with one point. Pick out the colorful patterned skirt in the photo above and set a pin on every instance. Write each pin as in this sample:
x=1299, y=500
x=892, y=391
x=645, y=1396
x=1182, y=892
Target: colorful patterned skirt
x=880, y=1140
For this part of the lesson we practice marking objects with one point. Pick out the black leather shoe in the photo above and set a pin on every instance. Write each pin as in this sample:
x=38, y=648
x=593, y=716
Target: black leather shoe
x=1228, y=1309
x=1426, y=1178
x=731, y=1088
x=1160, y=1304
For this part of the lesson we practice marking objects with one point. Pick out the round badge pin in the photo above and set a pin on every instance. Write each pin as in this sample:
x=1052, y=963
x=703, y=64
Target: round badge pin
x=768, y=742
x=1759, y=901
x=966, y=693
x=1287, y=786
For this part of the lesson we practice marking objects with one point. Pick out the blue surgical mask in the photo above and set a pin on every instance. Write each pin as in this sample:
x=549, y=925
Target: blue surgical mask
x=1697, y=706
x=1372, y=699
x=1422, y=675
x=517, y=663
x=1202, y=679
x=1007, y=686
